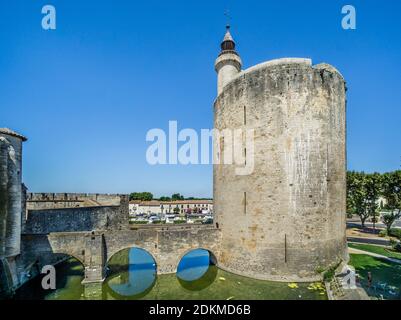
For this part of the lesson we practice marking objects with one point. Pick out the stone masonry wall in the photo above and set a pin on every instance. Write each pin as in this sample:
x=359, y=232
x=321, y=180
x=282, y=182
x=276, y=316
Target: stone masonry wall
x=10, y=194
x=167, y=245
x=286, y=219
x=73, y=219
x=37, y=201
x=78, y=219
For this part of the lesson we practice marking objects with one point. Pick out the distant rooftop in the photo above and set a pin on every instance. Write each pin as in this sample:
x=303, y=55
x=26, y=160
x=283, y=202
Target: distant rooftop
x=158, y=202
x=12, y=133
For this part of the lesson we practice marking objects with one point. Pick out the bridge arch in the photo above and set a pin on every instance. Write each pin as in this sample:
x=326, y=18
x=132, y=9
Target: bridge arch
x=111, y=254
x=72, y=255
x=68, y=243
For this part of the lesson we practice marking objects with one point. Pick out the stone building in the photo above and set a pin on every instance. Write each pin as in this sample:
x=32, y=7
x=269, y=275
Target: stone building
x=286, y=219
x=11, y=206
x=165, y=207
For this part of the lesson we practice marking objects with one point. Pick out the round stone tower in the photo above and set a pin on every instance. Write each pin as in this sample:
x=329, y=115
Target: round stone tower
x=10, y=192
x=11, y=207
x=285, y=218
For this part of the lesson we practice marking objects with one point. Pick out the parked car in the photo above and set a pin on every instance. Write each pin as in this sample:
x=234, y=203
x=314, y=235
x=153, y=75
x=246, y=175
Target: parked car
x=207, y=221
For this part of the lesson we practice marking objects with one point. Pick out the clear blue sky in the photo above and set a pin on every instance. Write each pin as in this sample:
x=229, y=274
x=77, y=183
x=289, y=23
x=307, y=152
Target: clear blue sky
x=86, y=93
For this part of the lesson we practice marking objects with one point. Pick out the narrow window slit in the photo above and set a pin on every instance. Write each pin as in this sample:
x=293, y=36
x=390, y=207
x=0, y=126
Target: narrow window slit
x=244, y=202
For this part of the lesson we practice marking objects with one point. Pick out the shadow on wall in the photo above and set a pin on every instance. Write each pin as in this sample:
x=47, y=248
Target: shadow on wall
x=69, y=268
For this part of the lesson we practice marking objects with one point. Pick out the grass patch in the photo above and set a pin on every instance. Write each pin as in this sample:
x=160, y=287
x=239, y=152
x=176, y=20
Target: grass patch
x=138, y=222
x=384, y=275
x=388, y=252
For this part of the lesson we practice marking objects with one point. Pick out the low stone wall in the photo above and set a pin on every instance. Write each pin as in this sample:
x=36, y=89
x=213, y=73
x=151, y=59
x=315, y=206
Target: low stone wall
x=54, y=204
x=73, y=219
x=78, y=219
x=73, y=196
x=38, y=201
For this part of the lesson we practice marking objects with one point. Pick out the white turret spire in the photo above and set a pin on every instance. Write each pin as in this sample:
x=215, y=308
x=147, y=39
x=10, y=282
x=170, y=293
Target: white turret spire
x=228, y=63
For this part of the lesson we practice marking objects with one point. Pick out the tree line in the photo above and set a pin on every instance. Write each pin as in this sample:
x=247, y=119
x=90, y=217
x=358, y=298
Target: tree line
x=148, y=196
x=364, y=191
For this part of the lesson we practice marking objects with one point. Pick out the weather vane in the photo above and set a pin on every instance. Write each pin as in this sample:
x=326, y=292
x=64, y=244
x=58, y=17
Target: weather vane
x=228, y=17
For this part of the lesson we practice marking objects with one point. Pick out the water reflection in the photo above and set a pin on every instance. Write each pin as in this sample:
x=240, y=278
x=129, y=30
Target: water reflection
x=196, y=270
x=213, y=284
x=132, y=273
x=69, y=275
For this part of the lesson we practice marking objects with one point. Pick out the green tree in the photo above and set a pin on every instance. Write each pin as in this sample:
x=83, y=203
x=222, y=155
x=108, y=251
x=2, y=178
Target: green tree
x=143, y=196
x=164, y=198
x=177, y=196
x=392, y=193
x=356, y=195
x=373, y=189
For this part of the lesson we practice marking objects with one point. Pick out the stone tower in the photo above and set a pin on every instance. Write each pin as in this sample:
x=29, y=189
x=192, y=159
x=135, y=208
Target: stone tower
x=285, y=220
x=11, y=205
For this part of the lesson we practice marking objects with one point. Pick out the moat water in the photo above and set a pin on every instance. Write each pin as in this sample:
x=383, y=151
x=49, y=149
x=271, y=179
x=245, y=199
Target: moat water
x=196, y=278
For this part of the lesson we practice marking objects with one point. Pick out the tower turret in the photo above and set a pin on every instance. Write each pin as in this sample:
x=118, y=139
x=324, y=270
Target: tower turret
x=228, y=63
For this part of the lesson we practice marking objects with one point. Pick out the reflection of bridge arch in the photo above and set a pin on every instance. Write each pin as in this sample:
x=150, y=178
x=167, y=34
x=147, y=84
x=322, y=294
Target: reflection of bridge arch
x=212, y=256
x=131, y=273
x=204, y=275
x=118, y=296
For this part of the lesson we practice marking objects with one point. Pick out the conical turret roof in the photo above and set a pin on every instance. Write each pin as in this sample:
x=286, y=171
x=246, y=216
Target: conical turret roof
x=228, y=43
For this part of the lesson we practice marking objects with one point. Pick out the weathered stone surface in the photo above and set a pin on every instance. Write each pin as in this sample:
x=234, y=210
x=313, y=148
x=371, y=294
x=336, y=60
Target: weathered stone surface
x=77, y=219
x=39, y=201
x=294, y=221
x=10, y=193
x=167, y=245
x=10, y=207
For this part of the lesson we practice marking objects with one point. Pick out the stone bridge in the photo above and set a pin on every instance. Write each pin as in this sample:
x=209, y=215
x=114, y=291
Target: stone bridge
x=167, y=245
x=94, y=234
